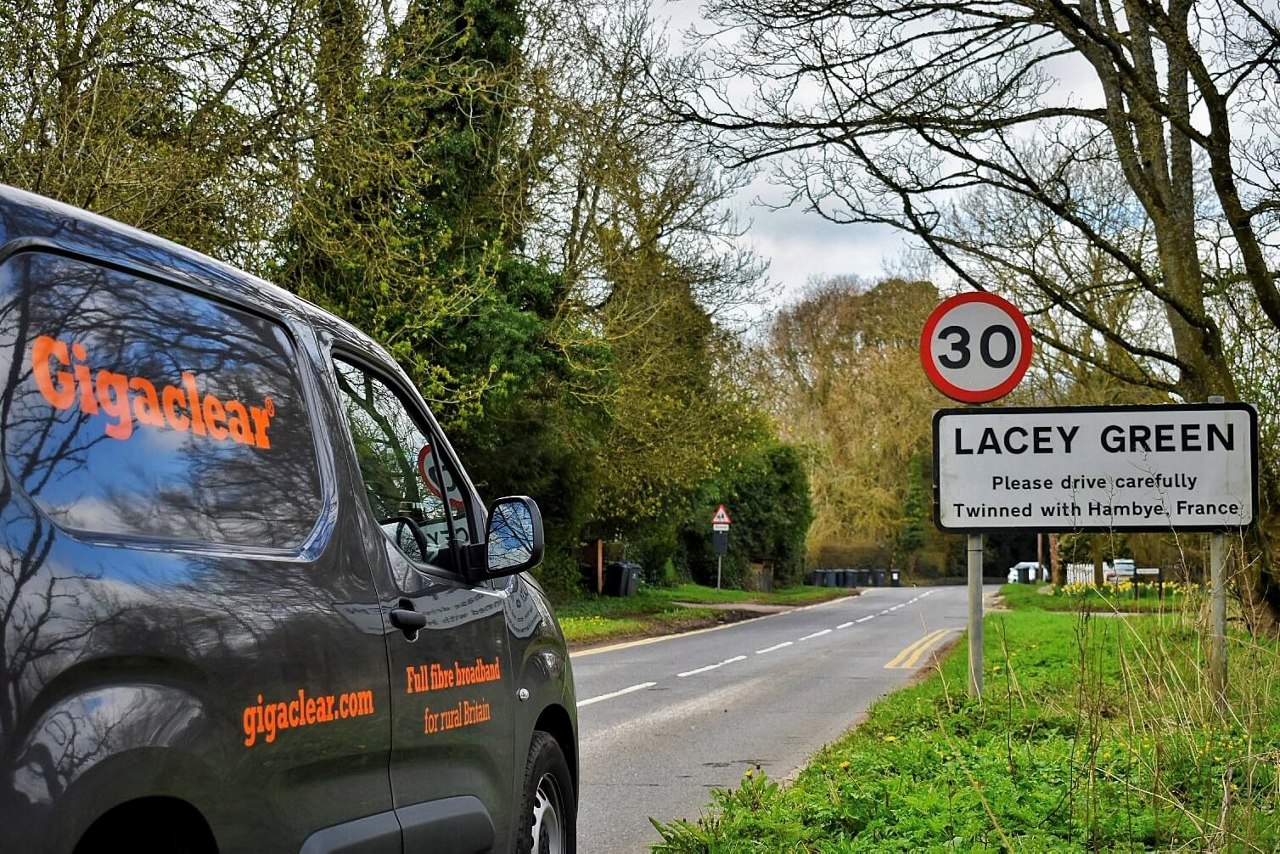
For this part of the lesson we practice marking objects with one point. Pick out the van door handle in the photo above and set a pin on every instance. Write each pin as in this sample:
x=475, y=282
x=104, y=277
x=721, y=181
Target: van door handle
x=408, y=620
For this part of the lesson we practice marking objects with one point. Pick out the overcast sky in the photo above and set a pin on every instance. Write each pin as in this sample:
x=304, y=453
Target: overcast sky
x=799, y=246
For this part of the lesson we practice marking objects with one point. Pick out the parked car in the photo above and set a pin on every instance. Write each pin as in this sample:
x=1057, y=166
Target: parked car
x=249, y=598
x=1121, y=569
x=1027, y=571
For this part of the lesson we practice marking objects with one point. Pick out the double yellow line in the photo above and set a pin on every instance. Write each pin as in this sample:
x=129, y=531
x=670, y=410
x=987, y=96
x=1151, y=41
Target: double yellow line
x=911, y=656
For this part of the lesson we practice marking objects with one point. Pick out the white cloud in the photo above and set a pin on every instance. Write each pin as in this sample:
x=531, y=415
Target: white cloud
x=802, y=247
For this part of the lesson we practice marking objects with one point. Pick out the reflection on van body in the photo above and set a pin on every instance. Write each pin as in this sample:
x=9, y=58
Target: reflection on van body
x=191, y=567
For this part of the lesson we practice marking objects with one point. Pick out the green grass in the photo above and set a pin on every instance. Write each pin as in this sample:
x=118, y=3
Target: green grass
x=1123, y=598
x=657, y=610
x=710, y=595
x=1095, y=733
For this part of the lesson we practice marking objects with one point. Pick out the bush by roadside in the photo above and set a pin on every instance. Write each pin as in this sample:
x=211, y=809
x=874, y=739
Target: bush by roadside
x=1095, y=733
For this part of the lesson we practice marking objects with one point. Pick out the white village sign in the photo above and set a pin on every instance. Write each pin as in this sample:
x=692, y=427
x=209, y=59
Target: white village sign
x=1135, y=468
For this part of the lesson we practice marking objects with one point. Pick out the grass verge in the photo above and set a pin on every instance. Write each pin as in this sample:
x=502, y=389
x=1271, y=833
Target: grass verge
x=1125, y=598
x=1096, y=733
x=664, y=610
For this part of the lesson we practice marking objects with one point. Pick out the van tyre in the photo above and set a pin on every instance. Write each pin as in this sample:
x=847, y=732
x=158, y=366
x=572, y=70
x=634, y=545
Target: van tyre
x=549, y=807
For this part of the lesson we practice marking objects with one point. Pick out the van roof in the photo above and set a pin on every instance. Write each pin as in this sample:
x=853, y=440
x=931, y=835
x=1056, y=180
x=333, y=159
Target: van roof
x=30, y=221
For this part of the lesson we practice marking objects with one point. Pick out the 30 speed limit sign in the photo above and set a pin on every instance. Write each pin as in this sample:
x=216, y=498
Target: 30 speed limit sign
x=975, y=347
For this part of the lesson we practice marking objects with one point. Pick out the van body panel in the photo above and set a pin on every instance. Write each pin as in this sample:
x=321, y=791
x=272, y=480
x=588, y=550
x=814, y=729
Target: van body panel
x=195, y=600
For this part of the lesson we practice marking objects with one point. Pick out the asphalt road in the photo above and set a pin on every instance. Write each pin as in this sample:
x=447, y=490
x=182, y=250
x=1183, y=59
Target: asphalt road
x=663, y=721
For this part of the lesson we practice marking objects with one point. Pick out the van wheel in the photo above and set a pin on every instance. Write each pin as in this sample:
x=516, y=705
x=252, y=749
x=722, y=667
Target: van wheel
x=150, y=826
x=548, y=810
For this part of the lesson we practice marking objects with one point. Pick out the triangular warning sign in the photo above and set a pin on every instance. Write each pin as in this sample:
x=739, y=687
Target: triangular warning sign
x=721, y=517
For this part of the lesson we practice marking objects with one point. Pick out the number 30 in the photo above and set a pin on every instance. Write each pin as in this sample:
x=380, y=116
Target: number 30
x=960, y=347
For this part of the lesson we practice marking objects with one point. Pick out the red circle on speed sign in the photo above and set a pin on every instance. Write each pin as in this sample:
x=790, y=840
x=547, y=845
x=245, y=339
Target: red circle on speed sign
x=975, y=347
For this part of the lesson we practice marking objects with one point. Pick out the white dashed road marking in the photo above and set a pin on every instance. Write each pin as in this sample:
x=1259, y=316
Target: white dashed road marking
x=908, y=657
x=630, y=690
x=712, y=666
x=774, y=648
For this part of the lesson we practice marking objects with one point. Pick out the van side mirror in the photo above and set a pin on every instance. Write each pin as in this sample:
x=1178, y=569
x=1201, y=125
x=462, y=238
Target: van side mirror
x=514, y=538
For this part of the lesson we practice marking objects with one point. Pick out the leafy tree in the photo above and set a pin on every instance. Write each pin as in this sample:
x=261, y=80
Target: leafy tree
x=911, y=534
x=597, y=151
x=766, y=490
x=970, y=126
x=345, y=244
x=676, y=417
x=543, y=441
x=402, y=227
x=181, y=118
x=634, y=220
x=406, y=229
x=460, y=61
x=841, y=369
x=482, y=185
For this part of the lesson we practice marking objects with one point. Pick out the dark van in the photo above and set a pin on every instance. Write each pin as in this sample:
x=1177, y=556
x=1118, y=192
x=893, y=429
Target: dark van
x=249, y=600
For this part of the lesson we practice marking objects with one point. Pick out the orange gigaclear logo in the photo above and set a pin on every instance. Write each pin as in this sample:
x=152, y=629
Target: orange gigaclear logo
x=121, y=399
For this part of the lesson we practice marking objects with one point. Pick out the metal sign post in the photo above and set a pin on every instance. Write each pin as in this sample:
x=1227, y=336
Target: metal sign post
x=1140, y=571
x=1217, y=618
x=1120, y=468
x=720, y=522
x=975, y=616
x=720, y=541
x=975, y=348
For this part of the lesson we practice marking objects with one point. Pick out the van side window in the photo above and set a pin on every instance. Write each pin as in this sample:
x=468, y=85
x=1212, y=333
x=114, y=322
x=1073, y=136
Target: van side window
x=133, y=408
x=402, y=470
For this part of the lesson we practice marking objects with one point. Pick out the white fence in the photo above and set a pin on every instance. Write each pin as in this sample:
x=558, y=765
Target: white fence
x=1079, y=573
